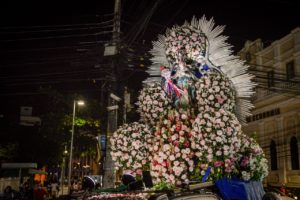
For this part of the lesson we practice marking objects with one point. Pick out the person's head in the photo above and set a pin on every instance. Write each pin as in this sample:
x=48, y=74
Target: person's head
x=8, y=189
x=39, y=186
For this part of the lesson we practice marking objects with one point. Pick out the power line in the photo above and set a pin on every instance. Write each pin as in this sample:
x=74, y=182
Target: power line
x=53, y=73
x=56, y=26
x=55, y=30
x=52, y=48
x=57, y=37
x=39, y=93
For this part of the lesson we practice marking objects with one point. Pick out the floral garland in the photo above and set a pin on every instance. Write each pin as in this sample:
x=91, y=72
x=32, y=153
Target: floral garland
x=215, y=142
x=124, y=196
x=153, y=103
x=252, y=164
x=215, y=90
x=130, y=146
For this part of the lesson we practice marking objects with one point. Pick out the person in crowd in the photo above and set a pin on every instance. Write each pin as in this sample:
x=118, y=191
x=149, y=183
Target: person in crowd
x=8, y=193
x=283, y=189
x=75, y=186
x=27, y=192
x=54, y=190
x=39, y=193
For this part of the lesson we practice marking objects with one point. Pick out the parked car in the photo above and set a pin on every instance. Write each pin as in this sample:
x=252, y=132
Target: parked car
x=274, y=193
x=91, y=182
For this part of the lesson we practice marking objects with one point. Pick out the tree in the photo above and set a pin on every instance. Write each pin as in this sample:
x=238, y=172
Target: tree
x=45, y=144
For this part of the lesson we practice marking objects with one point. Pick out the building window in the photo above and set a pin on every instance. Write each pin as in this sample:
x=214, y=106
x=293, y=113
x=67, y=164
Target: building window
x=248, y=57
x=270, y=75
x=290, y=71
x=294, y=153
x=273, y=153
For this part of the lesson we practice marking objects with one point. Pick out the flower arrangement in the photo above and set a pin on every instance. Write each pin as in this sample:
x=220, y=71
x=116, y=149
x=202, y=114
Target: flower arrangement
x=215, y=142
x=252, y=164
x=171, y=153
x=130, y=146
x=185, y=43
x=193, y=131
x=123, y=196
x=153, y=103
x=215, y=90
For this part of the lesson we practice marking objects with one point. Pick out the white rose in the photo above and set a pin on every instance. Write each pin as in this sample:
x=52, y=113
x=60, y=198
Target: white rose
x=172, y=157
x=219, y=132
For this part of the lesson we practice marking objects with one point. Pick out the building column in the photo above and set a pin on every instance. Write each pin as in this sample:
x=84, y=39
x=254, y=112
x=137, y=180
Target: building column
x=281, y=151
x=296, y=38
x=262, y=135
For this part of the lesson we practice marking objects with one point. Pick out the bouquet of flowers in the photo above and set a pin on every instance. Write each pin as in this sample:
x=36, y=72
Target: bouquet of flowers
x=252, y=163
x=130, y=146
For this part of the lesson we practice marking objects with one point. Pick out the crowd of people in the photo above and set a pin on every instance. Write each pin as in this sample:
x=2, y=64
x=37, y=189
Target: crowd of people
x=28, y=192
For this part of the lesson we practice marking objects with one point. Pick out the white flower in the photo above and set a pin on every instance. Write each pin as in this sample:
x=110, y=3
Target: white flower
x=172, y=158
x=202, y=142
x=219, y=153
x=211, y=97
x=176, y=163
x=219, y=133
x=208, y=130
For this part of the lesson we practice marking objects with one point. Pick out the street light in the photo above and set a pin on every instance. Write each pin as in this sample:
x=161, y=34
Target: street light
x=80, y=103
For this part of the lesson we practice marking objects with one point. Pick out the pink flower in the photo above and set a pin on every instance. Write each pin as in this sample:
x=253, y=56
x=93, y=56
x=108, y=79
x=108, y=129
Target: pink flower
x=218, y=163
x=245, y=161
x=220, y=99
x=139, y=171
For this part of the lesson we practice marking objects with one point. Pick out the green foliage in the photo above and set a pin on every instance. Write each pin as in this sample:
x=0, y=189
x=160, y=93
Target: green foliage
x=254, y=136
x=121, y=188
x=8, y=151
x=163, y=186
x=55, y=131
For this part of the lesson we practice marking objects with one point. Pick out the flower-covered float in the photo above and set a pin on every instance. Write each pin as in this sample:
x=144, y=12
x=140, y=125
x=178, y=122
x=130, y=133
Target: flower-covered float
x=191, y=116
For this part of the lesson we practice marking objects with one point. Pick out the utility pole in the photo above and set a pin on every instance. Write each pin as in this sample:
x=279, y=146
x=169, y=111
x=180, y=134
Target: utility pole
x=112, y=50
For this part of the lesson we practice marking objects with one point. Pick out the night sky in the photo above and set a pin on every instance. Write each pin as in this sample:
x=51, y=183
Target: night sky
x=269, y=19
x=46, y=43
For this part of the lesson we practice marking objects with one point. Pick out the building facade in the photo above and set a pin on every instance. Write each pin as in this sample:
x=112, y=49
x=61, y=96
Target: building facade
x=276, y=117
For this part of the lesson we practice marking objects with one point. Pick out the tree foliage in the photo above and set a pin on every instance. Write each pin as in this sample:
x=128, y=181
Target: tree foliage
x=45, y=144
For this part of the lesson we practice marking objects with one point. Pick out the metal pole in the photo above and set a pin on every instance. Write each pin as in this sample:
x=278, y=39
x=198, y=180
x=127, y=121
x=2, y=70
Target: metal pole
x=71, y=149
x=20, y=177
x=117, y=21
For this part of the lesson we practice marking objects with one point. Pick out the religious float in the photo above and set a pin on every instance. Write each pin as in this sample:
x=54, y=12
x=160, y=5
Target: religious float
x=192, y=108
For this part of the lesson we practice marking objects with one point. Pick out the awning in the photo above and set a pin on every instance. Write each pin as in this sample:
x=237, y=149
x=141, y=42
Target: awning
x=35, y=171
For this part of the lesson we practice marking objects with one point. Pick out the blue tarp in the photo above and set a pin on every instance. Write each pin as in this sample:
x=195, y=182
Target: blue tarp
x=236, y=189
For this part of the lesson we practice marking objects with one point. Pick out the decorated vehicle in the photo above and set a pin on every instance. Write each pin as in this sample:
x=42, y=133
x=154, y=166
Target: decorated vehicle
x=190, y=130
